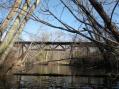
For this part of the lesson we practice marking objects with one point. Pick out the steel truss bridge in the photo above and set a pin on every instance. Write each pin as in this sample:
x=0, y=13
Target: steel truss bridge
x=31, y=48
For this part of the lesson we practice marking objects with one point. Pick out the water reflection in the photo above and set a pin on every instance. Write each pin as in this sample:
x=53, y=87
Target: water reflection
x=66, y=82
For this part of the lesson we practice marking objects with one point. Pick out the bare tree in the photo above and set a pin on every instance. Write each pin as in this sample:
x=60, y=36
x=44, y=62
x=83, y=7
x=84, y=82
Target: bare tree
x=97, y=24
x=20, y=15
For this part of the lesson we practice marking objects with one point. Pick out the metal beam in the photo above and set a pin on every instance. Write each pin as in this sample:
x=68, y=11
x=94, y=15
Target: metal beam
x=89, y=44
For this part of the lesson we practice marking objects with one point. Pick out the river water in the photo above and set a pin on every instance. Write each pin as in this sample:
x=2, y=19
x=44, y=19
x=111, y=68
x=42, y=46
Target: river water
x=72, y=78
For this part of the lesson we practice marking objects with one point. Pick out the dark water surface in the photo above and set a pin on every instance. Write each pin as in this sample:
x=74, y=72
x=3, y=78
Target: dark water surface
x=84, y=79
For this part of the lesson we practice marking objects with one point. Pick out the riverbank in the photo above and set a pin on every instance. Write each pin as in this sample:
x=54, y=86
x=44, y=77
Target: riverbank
x=94, y=62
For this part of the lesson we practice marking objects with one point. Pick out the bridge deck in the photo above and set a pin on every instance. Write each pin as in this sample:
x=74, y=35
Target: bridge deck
x=57, y=43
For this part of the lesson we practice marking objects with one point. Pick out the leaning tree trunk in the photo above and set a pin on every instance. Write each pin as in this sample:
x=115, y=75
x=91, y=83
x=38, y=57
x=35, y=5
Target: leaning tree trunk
x=8, y=40
x=16, y=29
x=10, y=16
x=13, y=33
